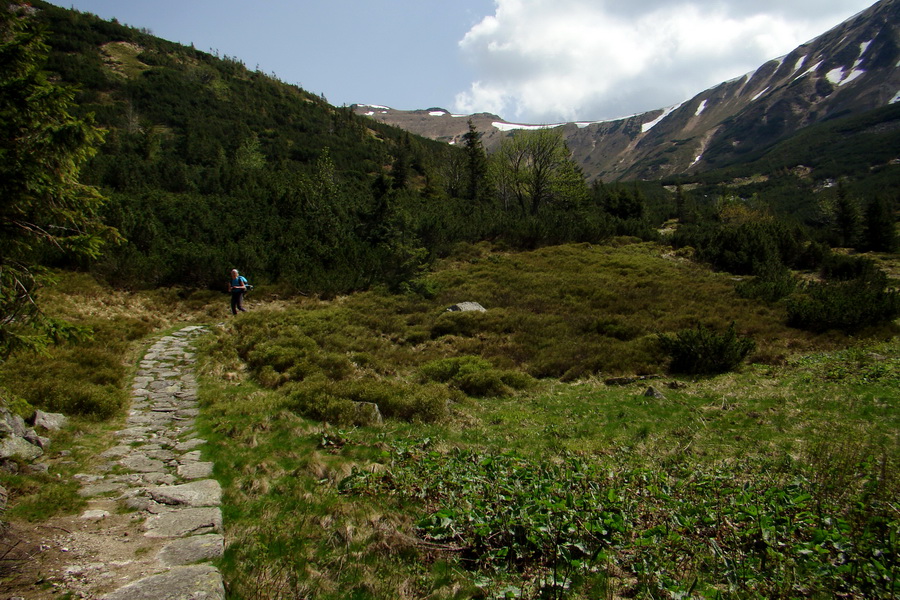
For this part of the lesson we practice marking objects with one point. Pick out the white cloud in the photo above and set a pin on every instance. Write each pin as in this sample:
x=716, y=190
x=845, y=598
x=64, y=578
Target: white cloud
x=563, y=60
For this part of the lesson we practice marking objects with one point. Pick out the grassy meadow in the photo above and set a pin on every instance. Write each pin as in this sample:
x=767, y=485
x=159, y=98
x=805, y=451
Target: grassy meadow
x=519, y=455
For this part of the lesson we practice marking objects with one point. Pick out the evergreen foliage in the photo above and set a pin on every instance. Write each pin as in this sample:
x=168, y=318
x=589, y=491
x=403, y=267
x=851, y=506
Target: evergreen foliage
x=46, y=214
x=849, y=306
x=702, y=351
x=880, y=226
x=209, y=166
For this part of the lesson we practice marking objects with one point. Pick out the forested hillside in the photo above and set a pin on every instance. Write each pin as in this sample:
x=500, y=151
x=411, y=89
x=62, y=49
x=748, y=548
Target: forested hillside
x=208, y=165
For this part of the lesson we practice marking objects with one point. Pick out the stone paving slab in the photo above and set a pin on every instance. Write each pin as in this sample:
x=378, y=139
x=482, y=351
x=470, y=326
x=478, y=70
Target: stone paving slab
x=184, y=522
x=204, y=492
x=199, y=582
x=194, y=549
x=165, y=478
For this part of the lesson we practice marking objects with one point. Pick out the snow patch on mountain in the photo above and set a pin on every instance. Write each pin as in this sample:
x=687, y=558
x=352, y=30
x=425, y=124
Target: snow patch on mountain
x=666, y=112
x=756, y=97
x=700, y=108
x=502, y=126
x=810, y=70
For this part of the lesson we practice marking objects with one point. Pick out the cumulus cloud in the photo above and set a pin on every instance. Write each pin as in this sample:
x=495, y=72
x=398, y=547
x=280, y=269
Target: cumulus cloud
x=544, y=61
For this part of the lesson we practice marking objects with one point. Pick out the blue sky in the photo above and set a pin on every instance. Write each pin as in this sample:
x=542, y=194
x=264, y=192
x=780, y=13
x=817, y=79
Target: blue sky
x=532, y=61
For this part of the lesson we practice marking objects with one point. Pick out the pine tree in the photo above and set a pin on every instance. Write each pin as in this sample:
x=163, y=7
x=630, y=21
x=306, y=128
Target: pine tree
x=476, y=163
x=44, y=210
x=881, y=226
x=848, y=220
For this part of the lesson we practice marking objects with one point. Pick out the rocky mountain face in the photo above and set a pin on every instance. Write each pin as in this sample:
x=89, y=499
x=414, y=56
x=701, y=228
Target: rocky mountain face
x=853, y=68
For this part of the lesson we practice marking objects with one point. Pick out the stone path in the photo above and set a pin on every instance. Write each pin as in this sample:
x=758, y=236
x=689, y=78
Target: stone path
x=155, y=489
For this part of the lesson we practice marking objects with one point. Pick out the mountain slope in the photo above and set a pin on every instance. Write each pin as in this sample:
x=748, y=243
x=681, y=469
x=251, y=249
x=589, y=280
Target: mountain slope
x=850, y=69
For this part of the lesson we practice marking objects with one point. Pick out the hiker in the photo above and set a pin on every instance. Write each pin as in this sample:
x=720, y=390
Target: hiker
x=238, y=287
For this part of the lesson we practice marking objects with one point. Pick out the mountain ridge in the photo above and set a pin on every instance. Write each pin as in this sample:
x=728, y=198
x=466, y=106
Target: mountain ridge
x=851, y=68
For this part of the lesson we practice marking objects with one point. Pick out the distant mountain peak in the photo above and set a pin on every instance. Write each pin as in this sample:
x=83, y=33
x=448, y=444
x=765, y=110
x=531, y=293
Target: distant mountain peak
x=852, y=68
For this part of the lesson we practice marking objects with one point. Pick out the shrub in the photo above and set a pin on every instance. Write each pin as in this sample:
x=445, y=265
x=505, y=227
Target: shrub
x=840, y=267
x=771, y=285
x=615, y=327
x=465, y=324
x=445, y=369
x=702, y=351
x=336, y=402
x=847, y=306
x=475, y=376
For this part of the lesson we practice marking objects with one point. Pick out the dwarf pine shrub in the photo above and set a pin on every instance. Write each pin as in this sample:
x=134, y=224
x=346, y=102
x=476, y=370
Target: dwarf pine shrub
x=845, y=305
x=702, y=351
x=475, y=376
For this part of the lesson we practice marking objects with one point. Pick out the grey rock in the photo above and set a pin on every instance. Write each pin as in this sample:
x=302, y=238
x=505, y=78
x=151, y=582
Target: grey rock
x=205, y=492
x=94, y=515
x=466, y=307
x=367, y=413
x=141, y=464
x=195, y=470
x=38, y=440
x=116, y=451
x=194, y=549
x=199, y=582
x=160, y=454
x=17, y=447
x=189, y=457
x=98, y=489
x=48, y=421
x=184, y=522
x=652, y=392
x=142, y=503
x=14, y=424
x=134, y=432
x=190, y=444
x=156, y=479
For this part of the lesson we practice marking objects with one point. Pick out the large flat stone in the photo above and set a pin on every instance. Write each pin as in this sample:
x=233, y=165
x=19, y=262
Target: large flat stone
x=205, y=492
x=184, y=522
x=198, y=582
x=142, y=464
x=195, y=470
x=194, y=549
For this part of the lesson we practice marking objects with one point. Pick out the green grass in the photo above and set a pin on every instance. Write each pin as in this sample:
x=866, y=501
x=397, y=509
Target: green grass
x=86, y=380
x=506, y=466
x=792, y=456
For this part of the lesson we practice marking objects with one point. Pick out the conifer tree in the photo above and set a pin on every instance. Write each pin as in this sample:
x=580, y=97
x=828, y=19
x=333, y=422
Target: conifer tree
x=44, y=210
x=848, y=219
x=881, y=226
x=476, y=163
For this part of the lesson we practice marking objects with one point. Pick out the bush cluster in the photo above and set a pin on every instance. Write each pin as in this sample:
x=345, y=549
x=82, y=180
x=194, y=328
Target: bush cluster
x=702, y=351
x=475, y=376
x=848, y=306
x=339, y=403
